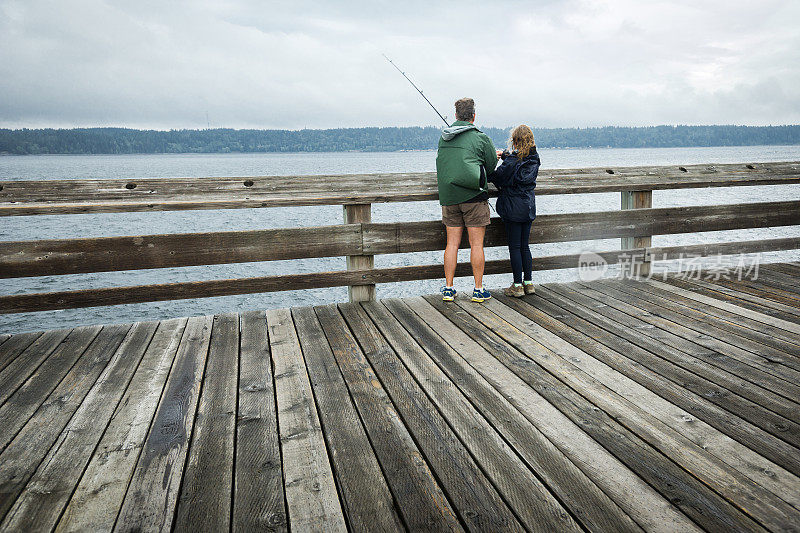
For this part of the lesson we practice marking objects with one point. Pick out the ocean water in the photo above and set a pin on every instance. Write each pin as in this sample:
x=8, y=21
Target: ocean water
x=171, y=165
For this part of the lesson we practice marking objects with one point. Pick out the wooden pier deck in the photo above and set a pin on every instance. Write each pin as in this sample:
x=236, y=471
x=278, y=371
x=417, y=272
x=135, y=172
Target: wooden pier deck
x=612, y=405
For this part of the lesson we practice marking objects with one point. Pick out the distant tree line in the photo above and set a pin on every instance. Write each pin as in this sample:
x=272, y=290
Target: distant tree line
x=131, y=141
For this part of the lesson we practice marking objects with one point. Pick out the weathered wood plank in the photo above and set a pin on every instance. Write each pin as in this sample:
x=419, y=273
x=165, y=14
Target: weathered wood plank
x=493, y=359
x=773, y=343
x=418, y=346
x=360, y=214
x=20, y=405
x=761, y=288
x=19, y=459
x=115, y=195
x=14, y=345
x=38, y=507
x=71, y=256
x=668, y=406
x=753, y=317
x=201, y=289
x=27, y=361
x=309, y=484
x=702, y=503
x=430, y=235
x=706, y=333
x=366, y=499
x=721, y=354
x=581, y=371
x=74, y=256
x=152, y=494
x=717, y=386
x=98, y=497
x=779, y=280
x=419, y=497
x=258, y=502
x=665, y=344
x=737, y=297
x=207, y=487
x=477, y=502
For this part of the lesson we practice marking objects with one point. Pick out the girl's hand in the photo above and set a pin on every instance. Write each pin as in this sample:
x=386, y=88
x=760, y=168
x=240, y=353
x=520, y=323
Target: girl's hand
x=499, y=153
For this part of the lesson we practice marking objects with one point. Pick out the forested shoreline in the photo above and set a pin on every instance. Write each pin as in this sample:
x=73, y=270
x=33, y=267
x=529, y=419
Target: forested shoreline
x=132, y=141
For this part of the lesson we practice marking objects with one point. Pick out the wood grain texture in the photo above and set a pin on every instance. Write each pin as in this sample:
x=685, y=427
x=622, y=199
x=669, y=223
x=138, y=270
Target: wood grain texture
x=30, y=356
x=477, y=501
x=359, y=214
x=579, y=370
x=359, y=239
x=586, y=463
x=13, y=345
x=420, y=498
x=39, y=505
x=98, y=497
x=30, y=395
x=743, y=312
x=709, y=426
x=40, y=431
x=366, y=499
x=258, y=502
x=158, y=194
x=696, y=499
x=311, y=495
x=103, y=254
x=207, y=486
x=739, y=298
x=533, y=502
x=153, y=490
x=756, y=357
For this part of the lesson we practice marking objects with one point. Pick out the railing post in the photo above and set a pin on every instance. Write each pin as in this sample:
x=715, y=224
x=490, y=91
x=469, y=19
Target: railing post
x=356, y=214
x=638, y=200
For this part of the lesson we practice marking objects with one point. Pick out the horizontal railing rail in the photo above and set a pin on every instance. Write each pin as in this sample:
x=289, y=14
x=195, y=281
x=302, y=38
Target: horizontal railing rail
x=168, y=194
x=358, y=238
x=24, y=303
x=80, y=256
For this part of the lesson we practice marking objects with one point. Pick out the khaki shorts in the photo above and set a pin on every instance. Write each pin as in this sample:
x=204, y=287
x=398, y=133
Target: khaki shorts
x=469, y=214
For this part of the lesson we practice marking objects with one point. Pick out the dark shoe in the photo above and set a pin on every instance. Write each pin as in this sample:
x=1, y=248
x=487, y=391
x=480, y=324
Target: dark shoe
x=448, y=295
x=515, y=291
x=480, y=296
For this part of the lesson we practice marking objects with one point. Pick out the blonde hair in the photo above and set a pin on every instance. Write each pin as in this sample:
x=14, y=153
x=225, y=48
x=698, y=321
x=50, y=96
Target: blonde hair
x=522, y=140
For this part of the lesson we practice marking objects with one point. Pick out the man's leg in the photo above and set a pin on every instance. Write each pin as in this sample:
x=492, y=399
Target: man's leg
x=451, y=253
x=476, y=257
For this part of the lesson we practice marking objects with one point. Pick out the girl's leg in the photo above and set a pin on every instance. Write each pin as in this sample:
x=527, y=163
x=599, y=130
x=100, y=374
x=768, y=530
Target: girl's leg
x=525, y=251
x=513, y=233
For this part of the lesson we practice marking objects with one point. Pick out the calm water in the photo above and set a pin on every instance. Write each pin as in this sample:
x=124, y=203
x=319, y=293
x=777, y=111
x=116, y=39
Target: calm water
x=139, y=166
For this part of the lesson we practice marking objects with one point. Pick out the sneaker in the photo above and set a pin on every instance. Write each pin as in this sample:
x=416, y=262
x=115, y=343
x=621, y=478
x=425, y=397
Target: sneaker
x=516, y=291
x=448, y=294
x=480, y=295
x=529, y=288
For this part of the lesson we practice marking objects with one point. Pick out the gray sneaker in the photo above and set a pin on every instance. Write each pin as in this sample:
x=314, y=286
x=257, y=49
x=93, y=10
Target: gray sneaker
x=516, y=291
x=529, y=289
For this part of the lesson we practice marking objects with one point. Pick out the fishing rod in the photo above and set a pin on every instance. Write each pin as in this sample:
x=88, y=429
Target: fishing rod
x=417, y=88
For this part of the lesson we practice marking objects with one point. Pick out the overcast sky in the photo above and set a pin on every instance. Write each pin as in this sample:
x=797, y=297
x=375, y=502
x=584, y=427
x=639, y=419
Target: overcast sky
x=262, y=64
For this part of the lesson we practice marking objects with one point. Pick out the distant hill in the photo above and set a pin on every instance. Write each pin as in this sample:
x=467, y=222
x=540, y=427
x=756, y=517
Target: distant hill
x=130, y=141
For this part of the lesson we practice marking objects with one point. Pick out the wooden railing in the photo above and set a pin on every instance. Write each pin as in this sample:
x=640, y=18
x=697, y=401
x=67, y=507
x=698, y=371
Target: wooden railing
x=358, y=238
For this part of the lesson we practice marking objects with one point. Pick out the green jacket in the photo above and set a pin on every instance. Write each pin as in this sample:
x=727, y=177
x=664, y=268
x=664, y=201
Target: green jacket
x=463, y=151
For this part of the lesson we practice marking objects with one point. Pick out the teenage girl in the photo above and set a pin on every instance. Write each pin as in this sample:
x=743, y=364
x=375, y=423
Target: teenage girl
x=516, y=205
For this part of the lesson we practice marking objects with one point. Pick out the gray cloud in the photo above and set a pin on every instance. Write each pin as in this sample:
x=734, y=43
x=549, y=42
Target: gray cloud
x=318, y=64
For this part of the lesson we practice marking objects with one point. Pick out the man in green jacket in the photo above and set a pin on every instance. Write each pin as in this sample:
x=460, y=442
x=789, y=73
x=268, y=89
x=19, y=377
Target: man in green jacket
x=464, y=160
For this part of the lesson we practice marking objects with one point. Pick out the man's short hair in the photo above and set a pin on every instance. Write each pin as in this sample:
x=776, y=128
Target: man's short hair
x=465, y=109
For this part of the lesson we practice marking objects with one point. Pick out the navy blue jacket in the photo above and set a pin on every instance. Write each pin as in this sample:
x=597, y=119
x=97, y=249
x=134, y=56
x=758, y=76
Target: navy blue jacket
x=516, y=180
